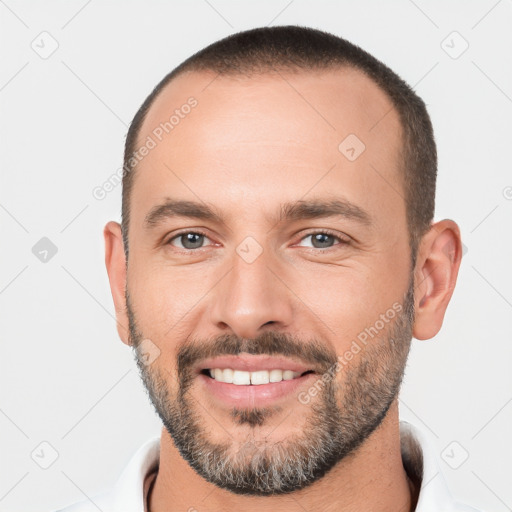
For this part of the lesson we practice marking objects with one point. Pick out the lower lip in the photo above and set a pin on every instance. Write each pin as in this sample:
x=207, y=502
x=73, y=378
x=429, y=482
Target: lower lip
x=253, y=396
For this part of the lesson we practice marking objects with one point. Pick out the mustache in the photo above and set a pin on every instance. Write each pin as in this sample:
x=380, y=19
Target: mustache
x=319, y=357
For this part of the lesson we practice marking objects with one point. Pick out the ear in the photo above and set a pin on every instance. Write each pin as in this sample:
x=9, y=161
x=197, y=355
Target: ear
x=115, y=262
x=435, y=275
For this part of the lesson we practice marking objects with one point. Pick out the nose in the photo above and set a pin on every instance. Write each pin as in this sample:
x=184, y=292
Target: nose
x=251, y=298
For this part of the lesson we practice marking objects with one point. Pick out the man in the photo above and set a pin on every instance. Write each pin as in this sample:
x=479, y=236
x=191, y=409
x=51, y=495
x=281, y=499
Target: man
x=276, y=255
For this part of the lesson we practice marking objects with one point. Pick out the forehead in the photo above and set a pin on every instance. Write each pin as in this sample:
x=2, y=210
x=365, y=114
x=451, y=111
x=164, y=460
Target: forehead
x=219, y=137
x=335, y=100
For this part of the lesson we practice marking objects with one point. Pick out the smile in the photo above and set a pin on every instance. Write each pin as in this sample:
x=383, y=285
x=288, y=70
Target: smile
x=248, y=380
x=255, y=378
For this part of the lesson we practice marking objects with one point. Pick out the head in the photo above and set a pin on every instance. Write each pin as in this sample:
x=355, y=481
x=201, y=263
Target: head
x=278, y=202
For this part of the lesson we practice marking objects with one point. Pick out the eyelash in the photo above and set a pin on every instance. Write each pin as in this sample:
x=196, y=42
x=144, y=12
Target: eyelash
x=341, y=240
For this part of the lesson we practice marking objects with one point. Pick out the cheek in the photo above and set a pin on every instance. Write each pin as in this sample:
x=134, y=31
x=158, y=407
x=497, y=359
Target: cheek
x=343, y=302
x=163, y=299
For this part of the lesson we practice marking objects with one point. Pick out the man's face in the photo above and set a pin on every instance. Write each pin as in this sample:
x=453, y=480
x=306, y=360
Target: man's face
x=327, y=298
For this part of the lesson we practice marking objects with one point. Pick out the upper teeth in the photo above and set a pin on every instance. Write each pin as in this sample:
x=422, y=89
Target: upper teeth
x=241, y=378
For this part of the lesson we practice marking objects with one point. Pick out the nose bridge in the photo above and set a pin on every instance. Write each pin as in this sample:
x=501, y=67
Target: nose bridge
x=251, y=295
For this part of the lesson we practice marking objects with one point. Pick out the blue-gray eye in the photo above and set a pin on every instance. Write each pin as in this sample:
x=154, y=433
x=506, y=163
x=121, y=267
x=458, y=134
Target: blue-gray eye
x=322, y=240
x=189, y=240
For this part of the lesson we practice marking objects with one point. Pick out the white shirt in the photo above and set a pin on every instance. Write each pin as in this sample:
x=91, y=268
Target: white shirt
x=128, y=494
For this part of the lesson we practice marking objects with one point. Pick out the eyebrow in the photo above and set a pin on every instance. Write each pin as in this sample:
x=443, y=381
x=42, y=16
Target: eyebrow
x=291, y=211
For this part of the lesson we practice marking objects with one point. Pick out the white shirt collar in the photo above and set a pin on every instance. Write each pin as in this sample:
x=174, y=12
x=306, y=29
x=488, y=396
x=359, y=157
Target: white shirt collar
x=418, y=454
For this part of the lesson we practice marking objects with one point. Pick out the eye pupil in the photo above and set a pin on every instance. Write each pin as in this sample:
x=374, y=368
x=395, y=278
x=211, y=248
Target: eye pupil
x=192, y=240
x=322, y=239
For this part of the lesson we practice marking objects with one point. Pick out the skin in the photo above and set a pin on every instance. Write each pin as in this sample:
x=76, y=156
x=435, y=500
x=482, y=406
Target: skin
x=250, y=145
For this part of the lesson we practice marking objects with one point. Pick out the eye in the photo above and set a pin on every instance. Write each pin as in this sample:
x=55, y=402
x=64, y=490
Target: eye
x=324, y=239
x=191, y=240
x=188, y=240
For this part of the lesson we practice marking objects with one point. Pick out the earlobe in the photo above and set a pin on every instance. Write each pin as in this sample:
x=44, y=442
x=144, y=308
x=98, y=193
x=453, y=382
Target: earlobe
x=437, y=267
x=115, y=262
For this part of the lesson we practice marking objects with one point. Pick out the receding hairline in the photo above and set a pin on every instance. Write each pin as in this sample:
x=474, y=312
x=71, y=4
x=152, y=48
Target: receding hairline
x=279, y=73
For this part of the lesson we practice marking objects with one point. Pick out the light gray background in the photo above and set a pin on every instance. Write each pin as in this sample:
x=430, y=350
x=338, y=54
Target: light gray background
x=66, y=378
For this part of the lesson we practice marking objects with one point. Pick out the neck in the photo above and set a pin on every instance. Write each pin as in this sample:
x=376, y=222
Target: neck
x=372, y=478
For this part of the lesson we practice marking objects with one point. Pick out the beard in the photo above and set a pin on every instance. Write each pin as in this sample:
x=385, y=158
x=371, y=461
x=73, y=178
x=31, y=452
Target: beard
x=338, y=421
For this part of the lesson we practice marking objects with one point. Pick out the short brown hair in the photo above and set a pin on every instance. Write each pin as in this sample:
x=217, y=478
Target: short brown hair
x=291, y=47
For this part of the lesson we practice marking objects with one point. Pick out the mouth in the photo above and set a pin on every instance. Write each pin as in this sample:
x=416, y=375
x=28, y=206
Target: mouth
x=254, y=378
x=249, y=380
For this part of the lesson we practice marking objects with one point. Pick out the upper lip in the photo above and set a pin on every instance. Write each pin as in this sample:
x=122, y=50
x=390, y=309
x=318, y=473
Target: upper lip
x=253, y=363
